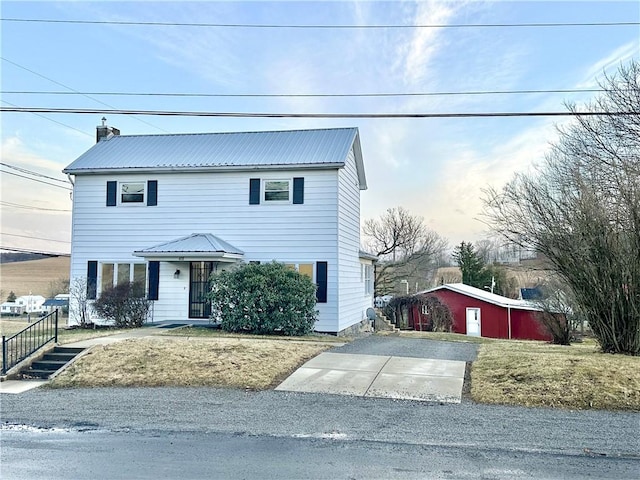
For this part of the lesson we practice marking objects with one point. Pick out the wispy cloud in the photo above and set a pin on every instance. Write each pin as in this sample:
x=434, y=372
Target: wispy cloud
x=609, y=64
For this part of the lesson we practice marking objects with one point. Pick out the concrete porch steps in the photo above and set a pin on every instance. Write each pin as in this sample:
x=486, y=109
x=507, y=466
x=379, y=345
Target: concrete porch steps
x=51, y=362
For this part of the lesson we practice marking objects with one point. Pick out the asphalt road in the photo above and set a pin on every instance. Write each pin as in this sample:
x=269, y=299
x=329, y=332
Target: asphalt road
x=224, y=433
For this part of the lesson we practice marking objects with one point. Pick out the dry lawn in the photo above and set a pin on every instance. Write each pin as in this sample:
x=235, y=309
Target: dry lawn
x=160, y=361
x=32, y=276
x=205, y=332
x=537, y=374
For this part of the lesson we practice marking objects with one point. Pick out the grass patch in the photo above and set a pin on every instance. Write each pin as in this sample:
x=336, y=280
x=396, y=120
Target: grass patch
x=157, y=361
x=206, y=332
x=79, y=334
x=538, y=374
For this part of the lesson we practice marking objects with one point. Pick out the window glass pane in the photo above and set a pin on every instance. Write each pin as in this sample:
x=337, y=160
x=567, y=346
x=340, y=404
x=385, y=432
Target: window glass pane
x=306, y=269
x=140, y=276
x=276, y=190
x=290, y=266
x=107, y=276
x=132, y=192
x=123, y=273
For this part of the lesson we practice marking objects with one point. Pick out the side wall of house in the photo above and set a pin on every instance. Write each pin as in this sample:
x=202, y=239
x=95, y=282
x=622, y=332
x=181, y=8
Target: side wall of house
x=216, y=203
x=353, y=298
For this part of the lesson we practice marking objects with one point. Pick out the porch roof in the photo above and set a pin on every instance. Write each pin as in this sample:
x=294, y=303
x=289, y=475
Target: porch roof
x=195, y=246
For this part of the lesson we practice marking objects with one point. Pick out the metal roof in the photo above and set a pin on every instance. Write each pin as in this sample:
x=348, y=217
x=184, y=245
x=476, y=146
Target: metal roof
x=194, y=243
x=321, y=148
x=55, y=302
x=484, y=296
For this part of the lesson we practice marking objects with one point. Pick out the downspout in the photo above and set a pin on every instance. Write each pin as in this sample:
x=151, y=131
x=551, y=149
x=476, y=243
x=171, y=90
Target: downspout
x=509, y=317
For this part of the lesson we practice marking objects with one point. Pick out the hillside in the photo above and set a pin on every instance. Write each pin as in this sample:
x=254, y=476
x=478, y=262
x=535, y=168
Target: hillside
x=35, y=276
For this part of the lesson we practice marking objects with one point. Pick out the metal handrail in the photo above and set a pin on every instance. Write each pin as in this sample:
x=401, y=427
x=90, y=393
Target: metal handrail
x=29, y=340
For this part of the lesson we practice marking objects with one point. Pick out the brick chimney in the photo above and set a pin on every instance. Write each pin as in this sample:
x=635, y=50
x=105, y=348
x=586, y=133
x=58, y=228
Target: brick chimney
x=104, y=132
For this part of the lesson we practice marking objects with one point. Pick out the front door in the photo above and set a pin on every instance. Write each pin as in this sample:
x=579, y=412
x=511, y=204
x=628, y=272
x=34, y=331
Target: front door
x=473, y=322
x=199, y=287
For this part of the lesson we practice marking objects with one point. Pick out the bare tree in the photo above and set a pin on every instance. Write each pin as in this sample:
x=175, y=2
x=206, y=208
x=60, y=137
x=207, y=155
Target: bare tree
x=581, y=209
x=408, y=250
x=79, y=302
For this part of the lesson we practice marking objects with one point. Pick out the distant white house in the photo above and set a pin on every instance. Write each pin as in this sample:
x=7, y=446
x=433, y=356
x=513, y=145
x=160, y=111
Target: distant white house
x=31, y=303
x=168, y=210
x=11, y=308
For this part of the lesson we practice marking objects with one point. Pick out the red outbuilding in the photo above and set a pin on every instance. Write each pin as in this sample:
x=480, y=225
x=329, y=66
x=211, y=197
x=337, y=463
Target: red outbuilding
x=480, y=313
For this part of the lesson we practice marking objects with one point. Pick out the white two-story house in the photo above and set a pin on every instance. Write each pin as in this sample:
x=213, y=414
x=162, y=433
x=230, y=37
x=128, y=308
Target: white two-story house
x=169, y=210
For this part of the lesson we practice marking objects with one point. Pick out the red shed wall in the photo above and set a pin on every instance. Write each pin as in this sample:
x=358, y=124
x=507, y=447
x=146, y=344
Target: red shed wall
x=525, y=326
x=493, y=318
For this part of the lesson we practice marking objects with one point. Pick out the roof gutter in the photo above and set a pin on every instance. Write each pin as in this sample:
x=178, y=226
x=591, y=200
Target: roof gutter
x=202, y=169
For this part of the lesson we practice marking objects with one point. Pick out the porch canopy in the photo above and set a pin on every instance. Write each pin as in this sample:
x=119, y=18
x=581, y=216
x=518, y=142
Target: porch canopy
x=193, y=248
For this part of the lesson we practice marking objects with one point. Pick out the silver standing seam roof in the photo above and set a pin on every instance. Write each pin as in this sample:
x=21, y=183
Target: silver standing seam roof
x=194, y=243
x=321, y=148
x=484, y=296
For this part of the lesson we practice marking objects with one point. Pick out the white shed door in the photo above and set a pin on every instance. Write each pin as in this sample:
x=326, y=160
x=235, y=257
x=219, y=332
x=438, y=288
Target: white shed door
x=473, y=322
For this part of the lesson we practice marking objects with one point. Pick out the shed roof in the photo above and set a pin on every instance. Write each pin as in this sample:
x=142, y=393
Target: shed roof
x=320, y=148
x=485, y=296
x=55, y=302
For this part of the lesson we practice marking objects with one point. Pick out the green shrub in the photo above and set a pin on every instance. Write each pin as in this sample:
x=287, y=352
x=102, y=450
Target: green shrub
x=264, y=299
x=124, y=304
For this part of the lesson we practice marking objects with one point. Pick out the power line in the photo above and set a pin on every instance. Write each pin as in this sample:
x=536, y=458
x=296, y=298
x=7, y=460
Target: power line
x=40, y=252
x=34, y=238
x=36, y=180
x=51, y=119
x=171, y=113
x=317, y=26
x=74, y=90
x=31, y=172
x=307, y=95
x=31, y=207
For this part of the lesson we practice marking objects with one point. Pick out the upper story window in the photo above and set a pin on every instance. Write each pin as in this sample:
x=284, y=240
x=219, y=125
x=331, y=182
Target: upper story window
x=276, y=190
x=132, y=192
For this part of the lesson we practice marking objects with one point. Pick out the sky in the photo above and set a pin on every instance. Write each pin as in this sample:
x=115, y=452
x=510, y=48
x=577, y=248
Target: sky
x=436, y=168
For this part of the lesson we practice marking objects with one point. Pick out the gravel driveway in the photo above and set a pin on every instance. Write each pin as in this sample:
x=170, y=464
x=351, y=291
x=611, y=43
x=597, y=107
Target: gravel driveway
x=411, y=347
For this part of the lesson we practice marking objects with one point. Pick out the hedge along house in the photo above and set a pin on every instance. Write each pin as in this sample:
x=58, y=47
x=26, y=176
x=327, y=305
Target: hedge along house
x=480, y=313
x=169, y=210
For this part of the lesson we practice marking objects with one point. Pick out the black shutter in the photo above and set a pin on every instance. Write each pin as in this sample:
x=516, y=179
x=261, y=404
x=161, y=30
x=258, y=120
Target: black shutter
x=254, y=191
x=112, y=188
x=298, y=190
x=321, y=282
x=152, y=193
x=154, y=280
x=92, y=280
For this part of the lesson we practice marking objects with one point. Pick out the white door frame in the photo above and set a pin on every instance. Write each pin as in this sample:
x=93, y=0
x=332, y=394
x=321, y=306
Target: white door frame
x=479, y=329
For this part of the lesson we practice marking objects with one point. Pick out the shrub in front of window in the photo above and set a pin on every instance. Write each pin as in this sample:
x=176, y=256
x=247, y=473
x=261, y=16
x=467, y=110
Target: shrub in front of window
x=124, y=304
x=264, y=299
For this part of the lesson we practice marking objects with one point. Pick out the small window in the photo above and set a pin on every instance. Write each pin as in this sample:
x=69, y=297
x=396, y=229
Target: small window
x=132, y=192
x=368, y=279
x=276, y=190
x=306, y=269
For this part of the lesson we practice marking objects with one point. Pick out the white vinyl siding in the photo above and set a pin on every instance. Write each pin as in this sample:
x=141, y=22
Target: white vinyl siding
x=216, y=203
x=352, y=304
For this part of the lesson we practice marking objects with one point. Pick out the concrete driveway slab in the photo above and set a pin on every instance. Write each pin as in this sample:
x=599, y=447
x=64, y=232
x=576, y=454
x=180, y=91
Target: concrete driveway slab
x=425, y=366
x=323, y=380
x=20, y=386
x=417, y=387
x=344, y=361
x=379, y=376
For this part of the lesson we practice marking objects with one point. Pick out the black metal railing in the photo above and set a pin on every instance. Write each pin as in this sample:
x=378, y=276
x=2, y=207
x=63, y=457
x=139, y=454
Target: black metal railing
x=28, y=340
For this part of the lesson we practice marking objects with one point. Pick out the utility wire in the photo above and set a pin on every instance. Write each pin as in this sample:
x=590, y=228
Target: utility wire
x=34, y=238
x=31, y=172
x=36, y=180
x=74, y=90
x=40, y=252
x=51, y=120
x=31, y=207
x=315, y=26
x=310, y=115
x=306, y=95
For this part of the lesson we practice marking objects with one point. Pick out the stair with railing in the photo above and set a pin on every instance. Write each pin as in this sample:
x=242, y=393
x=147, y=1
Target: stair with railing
x=51, y=362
